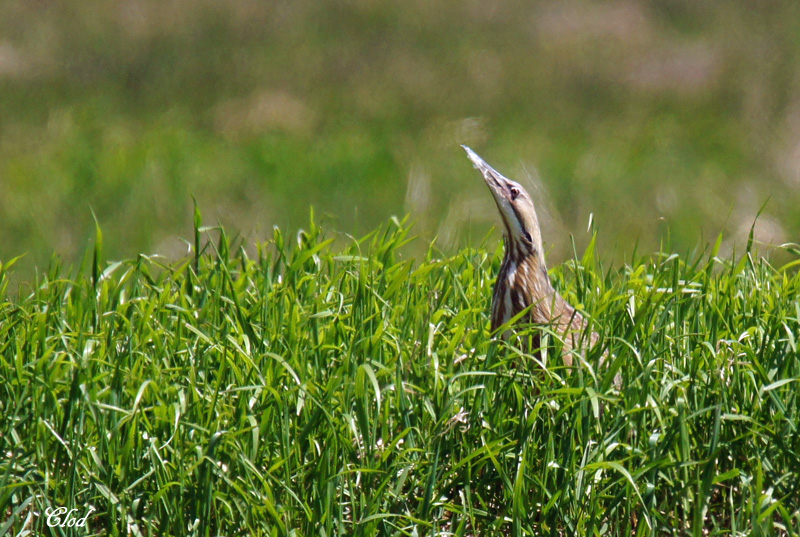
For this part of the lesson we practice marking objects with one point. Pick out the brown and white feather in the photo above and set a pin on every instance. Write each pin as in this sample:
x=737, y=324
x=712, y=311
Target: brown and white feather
x=522, y=281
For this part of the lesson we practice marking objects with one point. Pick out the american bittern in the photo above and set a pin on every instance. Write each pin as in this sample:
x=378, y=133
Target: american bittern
x=523, y=281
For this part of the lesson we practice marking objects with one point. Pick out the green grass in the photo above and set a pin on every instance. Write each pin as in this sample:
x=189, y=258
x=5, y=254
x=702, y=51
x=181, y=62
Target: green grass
x=310, y=389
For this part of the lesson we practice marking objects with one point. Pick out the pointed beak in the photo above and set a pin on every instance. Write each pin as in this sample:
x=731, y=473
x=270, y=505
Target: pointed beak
x=519, y=217
x=493, y=178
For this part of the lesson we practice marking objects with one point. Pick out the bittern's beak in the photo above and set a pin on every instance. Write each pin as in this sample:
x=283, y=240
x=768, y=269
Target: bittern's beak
x=515, y=205
x=498, y=184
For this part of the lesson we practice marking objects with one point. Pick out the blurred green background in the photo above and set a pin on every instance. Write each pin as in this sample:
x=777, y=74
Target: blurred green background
x=664, y=120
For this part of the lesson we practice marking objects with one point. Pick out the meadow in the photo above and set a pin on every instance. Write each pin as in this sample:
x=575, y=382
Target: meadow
x=661, y=119
x=305, y=388
x=294, y=383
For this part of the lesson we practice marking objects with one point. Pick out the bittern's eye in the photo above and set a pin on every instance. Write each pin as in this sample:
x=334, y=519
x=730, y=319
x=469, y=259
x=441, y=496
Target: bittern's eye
x=514, y=193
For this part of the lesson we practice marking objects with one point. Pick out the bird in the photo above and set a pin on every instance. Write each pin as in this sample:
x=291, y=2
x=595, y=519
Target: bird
x=523, y=282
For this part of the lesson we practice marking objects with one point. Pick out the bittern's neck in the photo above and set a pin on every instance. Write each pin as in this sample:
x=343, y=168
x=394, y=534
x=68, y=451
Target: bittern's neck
x=523, y=249
x=524, y=261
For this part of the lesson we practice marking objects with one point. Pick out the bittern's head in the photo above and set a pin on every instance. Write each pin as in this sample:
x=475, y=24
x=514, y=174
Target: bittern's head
x=515, y=205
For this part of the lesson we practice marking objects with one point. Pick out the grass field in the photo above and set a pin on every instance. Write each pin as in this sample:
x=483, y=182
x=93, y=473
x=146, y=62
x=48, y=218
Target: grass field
x=312, y=390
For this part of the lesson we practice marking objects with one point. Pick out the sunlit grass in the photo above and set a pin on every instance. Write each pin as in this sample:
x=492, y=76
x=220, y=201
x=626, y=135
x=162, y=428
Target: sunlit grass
x=310, y=389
